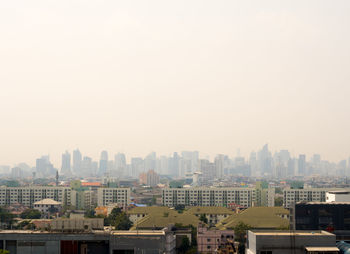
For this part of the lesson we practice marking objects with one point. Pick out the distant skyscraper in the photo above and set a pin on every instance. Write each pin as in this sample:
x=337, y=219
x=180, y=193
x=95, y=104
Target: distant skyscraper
x=137, y=166
x=44, y=167
x=120, y=164
x=219, y=165
x=77, y=159
x=65, y=169
x=150, y=161
x=264, y=161
x=103, y=163
x=302, y=164
x=86, y=167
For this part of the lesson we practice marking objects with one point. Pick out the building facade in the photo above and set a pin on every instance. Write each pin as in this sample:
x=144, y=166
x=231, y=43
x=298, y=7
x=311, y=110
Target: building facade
x=202, y=196
x=120, y=196
x=29, y=195
x=291, y=196
x=333, y=217
x=286, y=242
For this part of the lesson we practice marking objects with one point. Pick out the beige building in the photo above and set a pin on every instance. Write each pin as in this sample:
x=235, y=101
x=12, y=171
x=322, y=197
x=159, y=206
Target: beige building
x=120, y=196
x=29, y=195
x=204, y=196
x=291, y=196
x=45, y=205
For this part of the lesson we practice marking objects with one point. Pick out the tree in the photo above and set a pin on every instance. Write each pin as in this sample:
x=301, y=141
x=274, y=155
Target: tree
x=31, y=214
x=6, y=217
x=185, y=245
x=4, y=251
x=122, y=222
x=278, y=201
x=240, y=235
x=180, y=208
x=203, y=218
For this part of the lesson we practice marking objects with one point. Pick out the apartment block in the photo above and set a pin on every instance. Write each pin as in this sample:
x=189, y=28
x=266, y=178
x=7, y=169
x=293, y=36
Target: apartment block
x=202, y=196
x=120, y=196
x=291, y=196
x=29, y=195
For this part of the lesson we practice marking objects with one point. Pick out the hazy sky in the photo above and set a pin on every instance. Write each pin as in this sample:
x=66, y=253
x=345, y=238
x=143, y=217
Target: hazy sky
x=142, y=75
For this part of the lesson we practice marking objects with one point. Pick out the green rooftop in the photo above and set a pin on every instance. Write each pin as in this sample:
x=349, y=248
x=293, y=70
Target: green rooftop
x=258, y=218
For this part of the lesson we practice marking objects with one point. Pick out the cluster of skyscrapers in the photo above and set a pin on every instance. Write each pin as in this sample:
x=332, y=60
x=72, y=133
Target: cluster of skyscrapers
x=263, y=163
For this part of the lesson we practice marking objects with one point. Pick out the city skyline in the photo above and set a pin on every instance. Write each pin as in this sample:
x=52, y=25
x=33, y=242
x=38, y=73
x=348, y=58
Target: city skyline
x=66, y=160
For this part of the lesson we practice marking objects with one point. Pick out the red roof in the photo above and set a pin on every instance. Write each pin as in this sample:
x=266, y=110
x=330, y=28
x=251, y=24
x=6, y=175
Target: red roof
x=92, y=184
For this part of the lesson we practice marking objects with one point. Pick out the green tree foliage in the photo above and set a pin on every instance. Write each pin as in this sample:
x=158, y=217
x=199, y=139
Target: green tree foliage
x=180, y=208
x=5, y=216
x=31, y=214
x=185, y=245
x=90, y=213
x=4, y=252
x=118, y=219
x=203, y=218
x=122, y=222
x=278, y=201
x=241, y=231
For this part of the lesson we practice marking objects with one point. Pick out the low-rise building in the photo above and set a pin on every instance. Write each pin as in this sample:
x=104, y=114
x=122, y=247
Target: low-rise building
x=338, y=196
x=258, y=218
x=48, y=206
x=95, y=241
x=209, y=240
x=286, y=242
x=213, y=214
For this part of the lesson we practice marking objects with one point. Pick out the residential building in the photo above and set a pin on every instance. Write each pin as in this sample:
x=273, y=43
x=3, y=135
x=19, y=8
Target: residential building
x=258, y=218
x=202, y=196
x=286, y=242
x=29, y=195
x=213, y=214
x=291, y=196
x=152, y=178
x=208, y=241
x=120, y=196
x=48, y=205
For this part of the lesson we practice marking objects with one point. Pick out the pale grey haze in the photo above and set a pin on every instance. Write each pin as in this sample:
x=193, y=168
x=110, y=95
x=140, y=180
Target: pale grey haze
x=140, y=76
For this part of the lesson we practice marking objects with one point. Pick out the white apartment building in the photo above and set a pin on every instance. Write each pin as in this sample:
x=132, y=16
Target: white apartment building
x=291, y=196
x=202, y=196
x=29, y=195
x=106, y=196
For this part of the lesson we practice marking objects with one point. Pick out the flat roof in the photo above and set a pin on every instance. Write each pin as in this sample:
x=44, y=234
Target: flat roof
x=139, y=232
x=323, y=203
x=288, y=233
x=321, y=249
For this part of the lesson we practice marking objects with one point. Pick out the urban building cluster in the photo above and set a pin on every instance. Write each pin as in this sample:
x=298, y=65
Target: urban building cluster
x=264, y=163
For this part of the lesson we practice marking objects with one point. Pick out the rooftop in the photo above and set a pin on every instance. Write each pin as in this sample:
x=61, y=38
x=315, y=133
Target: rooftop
x=257, y=217
x=288, y=233
x=321, y=249
x=209, y=210
x=47, y=201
